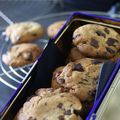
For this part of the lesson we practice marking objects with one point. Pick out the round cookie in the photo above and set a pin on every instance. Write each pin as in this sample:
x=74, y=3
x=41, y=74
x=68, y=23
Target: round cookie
x=59, y=106
x=24, y=32
x=54, y=28
x=96, y=41
x=21, y=54
x=75, y=54
x=80, y=77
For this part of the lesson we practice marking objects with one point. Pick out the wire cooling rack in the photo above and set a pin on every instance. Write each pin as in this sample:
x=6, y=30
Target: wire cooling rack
x=10, y=76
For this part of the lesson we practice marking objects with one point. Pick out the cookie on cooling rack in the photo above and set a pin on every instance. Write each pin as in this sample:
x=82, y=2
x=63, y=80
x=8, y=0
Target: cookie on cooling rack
x=56, y=105
x=54, y=28
x=24, y=32
x=21, y=54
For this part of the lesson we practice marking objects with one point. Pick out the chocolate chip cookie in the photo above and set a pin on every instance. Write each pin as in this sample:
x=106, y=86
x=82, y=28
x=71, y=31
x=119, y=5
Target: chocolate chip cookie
x=24, y=32
x=59, y=106
x=75, y=54
x=80, y=77
x=54, y=28
x=96, y=41
x=21, y=54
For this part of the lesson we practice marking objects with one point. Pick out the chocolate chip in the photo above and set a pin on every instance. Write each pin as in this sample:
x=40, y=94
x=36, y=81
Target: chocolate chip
x=94, y=43
x=68, y=112
x=61, y=80
x=111, y=41
x=78, y=67
x=60, y=105
x=61, y=117
x=110, y=50
x=100, y=33
x=84, y=42
x=95, y=61
x=106, y=30
x=45, y=103
x=34, y=34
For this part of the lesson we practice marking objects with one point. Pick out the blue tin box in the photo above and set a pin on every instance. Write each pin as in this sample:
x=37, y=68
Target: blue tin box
x=55, y=55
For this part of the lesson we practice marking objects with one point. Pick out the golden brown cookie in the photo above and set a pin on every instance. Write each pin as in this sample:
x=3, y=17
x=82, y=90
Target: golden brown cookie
x=21, y=54
x=96, y=41
x=59, y=106
x=54, y=28
x=80, y=77
x=24, y=32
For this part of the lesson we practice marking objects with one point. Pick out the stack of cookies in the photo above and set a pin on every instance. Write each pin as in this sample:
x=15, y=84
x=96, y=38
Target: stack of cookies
x=73, y=85
x=23, y=52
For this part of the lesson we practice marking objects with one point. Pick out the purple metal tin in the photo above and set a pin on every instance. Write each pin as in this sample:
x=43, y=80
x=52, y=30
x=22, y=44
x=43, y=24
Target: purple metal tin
x=99, y=100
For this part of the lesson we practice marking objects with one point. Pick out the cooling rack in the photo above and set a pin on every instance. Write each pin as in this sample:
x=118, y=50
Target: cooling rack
x=10, y=76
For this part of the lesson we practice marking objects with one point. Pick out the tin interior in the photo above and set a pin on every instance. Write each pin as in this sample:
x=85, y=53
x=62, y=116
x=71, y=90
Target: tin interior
x=54, y=55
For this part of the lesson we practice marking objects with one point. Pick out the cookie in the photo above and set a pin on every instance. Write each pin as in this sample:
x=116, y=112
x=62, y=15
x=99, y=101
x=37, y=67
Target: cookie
x=96, y=41
x=80, y=77
x=24, y=32
x=59, y=106
x=54, y=28
x=75, y=54
x=21, y=54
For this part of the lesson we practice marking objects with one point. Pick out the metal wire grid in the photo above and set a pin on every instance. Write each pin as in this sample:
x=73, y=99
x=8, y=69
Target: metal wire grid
x=10, y=76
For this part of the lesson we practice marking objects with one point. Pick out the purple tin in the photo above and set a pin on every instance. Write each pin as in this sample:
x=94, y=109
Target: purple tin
x=55, y=55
